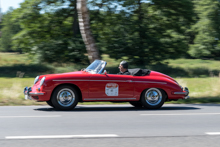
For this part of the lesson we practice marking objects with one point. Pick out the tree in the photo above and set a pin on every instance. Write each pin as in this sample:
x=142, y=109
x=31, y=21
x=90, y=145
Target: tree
x=9, y=28
x=206, y=42
x=84, y=23
x=48, y=31
x=143, y=32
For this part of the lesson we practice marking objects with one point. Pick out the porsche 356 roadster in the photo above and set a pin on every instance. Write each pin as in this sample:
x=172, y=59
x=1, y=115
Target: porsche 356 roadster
x=143, y=88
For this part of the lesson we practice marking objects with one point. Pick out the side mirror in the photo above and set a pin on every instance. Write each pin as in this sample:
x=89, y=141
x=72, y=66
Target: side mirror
x=105, y=72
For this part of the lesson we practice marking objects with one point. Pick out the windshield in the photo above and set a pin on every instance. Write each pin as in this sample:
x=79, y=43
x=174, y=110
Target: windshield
x=96, y=66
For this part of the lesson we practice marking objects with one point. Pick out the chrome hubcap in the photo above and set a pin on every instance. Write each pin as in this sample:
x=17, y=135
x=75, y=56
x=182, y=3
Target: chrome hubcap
x=66, y=97
x=153, y=96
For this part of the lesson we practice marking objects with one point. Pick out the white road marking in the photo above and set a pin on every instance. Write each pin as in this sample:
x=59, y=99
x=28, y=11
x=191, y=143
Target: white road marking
x=62, y=136
x=30, y=116
x=213, y=133
x=184, y=114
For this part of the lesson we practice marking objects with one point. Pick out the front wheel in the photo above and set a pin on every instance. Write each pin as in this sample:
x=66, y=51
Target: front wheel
x=50, y=103
x=64, y=98
x=153, y=98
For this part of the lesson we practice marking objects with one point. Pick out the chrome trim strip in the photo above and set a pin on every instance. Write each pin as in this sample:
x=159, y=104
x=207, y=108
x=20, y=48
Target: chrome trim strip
x=70, y=80
x=128, y=81
x=110, y=99
x=111, y=80
x=150, y=82
x=181, y=93
x=36, y=93
x=98, y=80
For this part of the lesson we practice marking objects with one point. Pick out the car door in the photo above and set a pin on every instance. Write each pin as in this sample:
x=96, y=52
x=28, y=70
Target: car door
x=111, y=87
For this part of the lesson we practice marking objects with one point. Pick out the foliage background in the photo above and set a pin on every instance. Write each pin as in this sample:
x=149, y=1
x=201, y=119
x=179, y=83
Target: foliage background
x=142, y=32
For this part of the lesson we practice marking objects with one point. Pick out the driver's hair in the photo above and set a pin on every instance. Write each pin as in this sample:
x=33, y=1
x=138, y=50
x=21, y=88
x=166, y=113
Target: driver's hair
x=124, y=64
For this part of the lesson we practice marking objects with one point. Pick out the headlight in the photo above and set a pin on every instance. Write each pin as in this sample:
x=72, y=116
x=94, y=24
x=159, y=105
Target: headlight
x=42, y=81
x=36, y=79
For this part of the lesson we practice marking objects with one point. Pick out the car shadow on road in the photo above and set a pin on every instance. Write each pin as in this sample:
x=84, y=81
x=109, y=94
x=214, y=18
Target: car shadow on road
x=117, y=108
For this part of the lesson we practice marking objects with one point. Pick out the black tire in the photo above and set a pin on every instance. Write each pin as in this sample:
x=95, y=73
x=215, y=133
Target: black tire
x=136, y=104
x=50, y=103
x=153, y=98
x=65, y=98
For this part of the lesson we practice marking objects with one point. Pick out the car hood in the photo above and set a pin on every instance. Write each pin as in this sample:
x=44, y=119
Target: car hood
x=63, y=75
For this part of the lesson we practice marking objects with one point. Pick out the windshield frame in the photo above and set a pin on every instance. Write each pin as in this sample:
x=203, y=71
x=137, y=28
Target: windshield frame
x=96, y=66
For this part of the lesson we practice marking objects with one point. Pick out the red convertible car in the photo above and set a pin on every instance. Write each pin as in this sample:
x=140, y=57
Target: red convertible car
x=143, y=88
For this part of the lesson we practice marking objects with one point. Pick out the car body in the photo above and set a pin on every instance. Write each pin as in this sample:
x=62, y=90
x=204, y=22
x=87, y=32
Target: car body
x=64, y=91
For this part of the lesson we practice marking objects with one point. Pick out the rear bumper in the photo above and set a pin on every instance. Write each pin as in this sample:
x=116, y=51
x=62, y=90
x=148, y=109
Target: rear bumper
x=184, y=92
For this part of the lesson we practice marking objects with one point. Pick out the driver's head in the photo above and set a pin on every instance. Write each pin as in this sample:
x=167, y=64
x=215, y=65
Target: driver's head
x=123, y=66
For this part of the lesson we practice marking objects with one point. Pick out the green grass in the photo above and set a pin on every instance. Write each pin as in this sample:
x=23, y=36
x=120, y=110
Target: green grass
x=195, y=63
x=11, y=91
x=202, y=90
x=193, y=68
x=201, y=87
x=10, y=59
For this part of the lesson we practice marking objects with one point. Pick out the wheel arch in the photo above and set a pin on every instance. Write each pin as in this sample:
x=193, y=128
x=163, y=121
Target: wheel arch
x=72, y=85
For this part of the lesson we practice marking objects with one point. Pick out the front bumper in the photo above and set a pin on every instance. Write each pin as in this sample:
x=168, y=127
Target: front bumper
x=184, y=92
x=29, y=94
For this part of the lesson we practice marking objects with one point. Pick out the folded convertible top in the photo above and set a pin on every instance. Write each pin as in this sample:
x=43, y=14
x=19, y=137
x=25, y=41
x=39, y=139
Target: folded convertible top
x=139, y=72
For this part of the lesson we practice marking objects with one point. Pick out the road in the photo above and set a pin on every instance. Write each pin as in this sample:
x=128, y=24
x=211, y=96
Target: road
x=177, y=125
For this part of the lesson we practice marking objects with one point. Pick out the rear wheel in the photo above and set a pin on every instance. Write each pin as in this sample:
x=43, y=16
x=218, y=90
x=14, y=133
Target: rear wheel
x=136, y=104
x=65, y=98
x=153, y=98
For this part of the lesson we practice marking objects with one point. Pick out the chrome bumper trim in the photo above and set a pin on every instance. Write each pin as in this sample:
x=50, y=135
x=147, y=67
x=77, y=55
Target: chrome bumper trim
x=36, y=93
x=181, y=93
x=26, y=93
x=186, y=93
x=186, y=97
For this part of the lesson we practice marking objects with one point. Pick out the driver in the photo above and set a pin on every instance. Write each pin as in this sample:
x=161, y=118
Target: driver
x=123, y=67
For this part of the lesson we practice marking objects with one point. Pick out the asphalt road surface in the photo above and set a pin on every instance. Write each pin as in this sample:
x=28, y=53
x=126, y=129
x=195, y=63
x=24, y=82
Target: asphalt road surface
x=111, y=126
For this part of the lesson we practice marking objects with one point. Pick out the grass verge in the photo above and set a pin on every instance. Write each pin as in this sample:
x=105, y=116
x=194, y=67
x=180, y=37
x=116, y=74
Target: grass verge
x=11, y=91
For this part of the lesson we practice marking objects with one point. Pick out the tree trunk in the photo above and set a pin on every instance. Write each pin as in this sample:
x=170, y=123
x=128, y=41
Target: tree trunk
x=75, y=20
x=86, y=33
x=141, y=33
